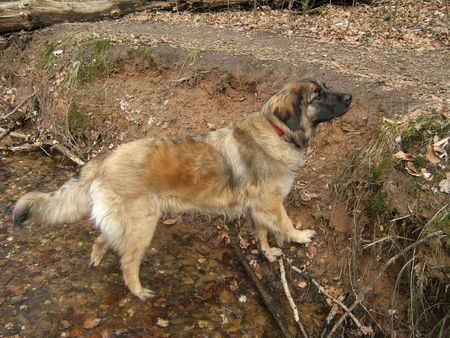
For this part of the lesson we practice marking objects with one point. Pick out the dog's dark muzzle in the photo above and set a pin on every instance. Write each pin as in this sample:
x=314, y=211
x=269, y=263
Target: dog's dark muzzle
x=347, y=98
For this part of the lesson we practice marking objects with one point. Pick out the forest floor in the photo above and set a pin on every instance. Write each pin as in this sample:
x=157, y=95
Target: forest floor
x=97, y=85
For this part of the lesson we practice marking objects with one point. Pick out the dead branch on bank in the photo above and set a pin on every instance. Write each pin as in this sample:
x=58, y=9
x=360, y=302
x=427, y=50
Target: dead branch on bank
x=19, y=105
x=7, y=131
x=332, y=314
x=364, y=329
x=383, y=269
x=289, y=297
x=265, y=297
x=40, y=146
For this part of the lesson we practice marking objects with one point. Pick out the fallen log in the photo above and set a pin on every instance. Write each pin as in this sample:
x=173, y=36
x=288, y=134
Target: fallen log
x=29, y=15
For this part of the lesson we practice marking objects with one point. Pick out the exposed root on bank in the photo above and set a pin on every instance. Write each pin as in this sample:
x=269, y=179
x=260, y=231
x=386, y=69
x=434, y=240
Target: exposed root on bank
x=383, y=269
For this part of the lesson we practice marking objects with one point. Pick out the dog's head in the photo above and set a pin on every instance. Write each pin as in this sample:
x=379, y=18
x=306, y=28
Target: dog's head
x=300, y=106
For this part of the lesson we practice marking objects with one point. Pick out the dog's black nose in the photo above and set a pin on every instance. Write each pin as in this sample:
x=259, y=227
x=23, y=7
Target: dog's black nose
x=347, y=98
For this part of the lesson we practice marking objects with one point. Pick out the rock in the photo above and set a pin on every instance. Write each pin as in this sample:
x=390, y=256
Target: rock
x=17, y=299
x=226, y=297
x=203, y=324
x=66, y=324
x=91, y=323
x=162, y=322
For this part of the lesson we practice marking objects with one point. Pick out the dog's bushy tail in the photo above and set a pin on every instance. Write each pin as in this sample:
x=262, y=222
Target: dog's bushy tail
x=69, y=204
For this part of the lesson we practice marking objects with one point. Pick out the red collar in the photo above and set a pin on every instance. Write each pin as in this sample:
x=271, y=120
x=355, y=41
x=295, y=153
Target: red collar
x=280, y=133
x=277, y=130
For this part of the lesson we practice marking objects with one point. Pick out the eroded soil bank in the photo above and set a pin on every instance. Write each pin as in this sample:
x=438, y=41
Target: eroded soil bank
x=102, y=84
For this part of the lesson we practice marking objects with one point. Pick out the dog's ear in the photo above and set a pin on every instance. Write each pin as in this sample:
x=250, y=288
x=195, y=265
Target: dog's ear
x=286, y=106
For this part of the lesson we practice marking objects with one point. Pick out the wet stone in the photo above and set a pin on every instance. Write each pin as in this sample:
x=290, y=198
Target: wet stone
x=17, y=299
x=226, y=297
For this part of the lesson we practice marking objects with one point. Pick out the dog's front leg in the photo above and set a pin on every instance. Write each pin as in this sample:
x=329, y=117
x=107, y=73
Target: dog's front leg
x=272, y=216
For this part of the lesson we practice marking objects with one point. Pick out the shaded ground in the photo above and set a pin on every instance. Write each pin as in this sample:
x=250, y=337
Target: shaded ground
x=199, y=76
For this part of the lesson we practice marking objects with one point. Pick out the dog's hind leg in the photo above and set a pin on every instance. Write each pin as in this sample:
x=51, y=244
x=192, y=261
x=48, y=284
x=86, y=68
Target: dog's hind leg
x=98, y=250
x=138, y=237
x=271, y=253
x=261, y=232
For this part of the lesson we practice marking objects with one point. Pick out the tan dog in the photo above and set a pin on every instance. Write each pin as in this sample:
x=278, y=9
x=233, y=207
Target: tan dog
x=246, y=169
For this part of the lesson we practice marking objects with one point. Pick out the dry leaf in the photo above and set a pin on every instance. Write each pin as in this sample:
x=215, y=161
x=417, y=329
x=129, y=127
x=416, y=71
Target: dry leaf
x=444, y=185
x=91, y=322
x=302, y=285
x=306, y=196
x=442, y=143
x=443, y=111
x=402, y=156
x=426, y=174
x=256, y=268
x=170, y=221
x=243, y=243
x=411, y=169
x=431, y=155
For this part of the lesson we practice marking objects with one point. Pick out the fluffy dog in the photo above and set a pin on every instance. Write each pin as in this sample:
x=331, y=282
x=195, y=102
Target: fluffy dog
x=245, y=169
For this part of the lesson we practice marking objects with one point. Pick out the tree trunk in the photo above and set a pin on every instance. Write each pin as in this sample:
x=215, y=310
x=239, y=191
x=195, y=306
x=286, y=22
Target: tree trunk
x=27, y=15
x=34, y=14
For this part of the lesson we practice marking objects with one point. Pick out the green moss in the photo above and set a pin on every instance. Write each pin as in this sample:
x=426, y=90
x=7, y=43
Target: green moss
x=140, y=51
x=102, y=46
x=94, y=58
x=77, y=120
x=421, y=131
x=440, y=223
x=47, y=58
x=378, y=170
x=84, y=57
x=443, y=222
x=420, y=162
x=377, y=203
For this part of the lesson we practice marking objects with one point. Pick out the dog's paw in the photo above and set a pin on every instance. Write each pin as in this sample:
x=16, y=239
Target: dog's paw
x=144, y=294
x=272, y=254
x=303, y=236
x=95, y=259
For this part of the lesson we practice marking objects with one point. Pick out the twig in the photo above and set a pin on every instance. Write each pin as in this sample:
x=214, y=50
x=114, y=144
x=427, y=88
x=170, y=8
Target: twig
x=19, y=105
x=289, y=297
x=363, y=293
x=331, y=314
x=11, y=133
x=7, y=131
x=265, y=297
x=23, y=147
x=66, y=152
x=365, y=330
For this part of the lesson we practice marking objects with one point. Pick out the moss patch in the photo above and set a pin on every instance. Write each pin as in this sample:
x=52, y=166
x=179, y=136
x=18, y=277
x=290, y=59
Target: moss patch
x=77, y=120
x=378, y=170
x=420, y=132
x=77, y=58
x=378, y=203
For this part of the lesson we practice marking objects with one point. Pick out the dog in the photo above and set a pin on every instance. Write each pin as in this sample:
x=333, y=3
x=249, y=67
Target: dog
x=245, y=169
